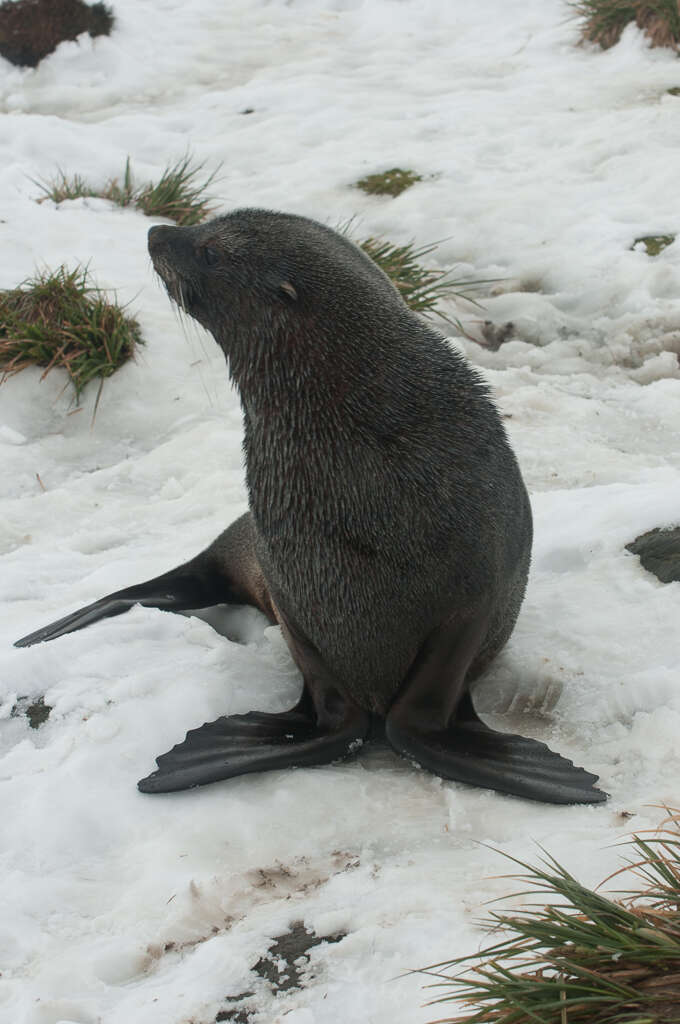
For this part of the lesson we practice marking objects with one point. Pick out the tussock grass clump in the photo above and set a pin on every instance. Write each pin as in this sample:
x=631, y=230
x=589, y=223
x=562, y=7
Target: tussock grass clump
x=32, y=29
x=388, y=183
x=422, y=288
x=179, y=195
x=605, y=20
x=654, y=244
x=584, y=959
x=58, y=319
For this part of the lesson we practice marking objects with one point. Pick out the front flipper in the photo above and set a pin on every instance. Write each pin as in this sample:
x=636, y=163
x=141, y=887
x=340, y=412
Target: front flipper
x=227, y=572
x=469, y=751
x=254, y=742
x=174, y=591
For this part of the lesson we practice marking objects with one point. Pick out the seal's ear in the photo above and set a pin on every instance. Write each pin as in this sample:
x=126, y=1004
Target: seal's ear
x=287, y=288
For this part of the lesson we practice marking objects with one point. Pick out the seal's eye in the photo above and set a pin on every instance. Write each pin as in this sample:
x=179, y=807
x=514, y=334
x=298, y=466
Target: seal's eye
x=210, y=256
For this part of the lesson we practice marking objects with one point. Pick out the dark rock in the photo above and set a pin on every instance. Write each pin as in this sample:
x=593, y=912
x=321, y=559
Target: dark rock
x=659, y=552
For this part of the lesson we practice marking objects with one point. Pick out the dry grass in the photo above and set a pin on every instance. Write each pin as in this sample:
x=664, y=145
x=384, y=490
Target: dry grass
x=584, y=958
x=605, y=20
x=59, y=319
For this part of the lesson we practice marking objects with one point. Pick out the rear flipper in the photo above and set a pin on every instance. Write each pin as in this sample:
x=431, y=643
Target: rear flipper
x=469, y=751
x=254, y=742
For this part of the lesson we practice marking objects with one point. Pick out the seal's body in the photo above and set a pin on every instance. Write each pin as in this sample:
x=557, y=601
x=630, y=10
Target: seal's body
x=389, y=530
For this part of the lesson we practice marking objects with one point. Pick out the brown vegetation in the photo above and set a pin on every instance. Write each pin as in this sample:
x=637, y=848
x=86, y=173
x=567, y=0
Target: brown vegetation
x=605, y=20
x=31, y=29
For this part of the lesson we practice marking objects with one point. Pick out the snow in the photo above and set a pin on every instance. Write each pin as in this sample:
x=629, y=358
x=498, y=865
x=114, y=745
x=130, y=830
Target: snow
x=542, y=162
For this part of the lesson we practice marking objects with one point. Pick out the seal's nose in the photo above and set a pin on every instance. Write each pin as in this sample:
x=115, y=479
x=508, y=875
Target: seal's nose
x=159, y=235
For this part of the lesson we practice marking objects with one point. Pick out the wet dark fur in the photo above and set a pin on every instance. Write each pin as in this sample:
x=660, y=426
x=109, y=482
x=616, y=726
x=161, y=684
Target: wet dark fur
x=382, y=487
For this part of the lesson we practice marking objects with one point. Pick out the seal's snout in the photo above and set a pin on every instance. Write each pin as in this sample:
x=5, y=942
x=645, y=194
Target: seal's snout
x=172, y=252
x=173, y=260
x=150, y=236
x=160, y=237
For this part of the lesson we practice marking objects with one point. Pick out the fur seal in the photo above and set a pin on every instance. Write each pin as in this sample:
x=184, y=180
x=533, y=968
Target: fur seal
x=389, y=530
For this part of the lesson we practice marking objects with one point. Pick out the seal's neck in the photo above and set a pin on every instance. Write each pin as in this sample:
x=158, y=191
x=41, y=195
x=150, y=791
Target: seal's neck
x=312, y=415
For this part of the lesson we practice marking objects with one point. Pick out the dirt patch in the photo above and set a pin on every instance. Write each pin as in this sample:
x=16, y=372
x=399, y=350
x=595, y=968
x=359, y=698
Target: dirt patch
x=36, y=711
x=282, y=968
x=286, y=958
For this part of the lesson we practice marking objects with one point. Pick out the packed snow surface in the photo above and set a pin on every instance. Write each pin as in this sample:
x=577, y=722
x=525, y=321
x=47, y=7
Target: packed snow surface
x=542, y=162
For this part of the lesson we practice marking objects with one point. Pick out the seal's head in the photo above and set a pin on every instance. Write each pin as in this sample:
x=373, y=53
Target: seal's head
x=255, y=277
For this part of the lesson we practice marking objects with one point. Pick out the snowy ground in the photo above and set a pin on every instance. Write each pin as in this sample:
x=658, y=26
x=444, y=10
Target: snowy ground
x=542, y=163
